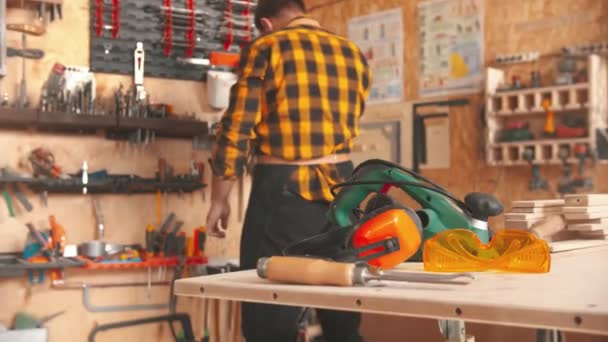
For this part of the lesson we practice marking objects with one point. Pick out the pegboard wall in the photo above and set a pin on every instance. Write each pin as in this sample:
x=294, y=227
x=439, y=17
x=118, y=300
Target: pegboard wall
x=177, y=35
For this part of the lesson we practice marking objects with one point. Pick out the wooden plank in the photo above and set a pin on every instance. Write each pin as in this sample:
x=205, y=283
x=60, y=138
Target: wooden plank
x=588, y=227
x=595, y=237
x=590, y=221
x=585, y=210
x=554, y=300
x=532, y=210
x=525, y=217
x=570, y=245
x=586, y=200
x=521, y=224
x=590, y=216
x=538, y=203
x=596, y=233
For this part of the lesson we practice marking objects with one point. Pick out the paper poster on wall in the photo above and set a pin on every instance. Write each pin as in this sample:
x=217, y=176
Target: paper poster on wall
x=380, y=38
x=451, y=46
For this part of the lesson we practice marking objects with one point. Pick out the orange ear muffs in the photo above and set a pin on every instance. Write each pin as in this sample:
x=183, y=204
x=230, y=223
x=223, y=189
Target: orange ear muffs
x=387, y=234
x=392, y=222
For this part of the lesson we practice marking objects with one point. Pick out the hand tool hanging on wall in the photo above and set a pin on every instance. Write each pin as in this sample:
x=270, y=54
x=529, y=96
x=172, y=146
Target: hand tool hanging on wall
x=168, y=31
x=228, y=38
x=138, y=67
x=34, y=30
x=549, y=129
x=115, y=15
x=536, y=183
x=43, y=163
x=22, y=198
x=8, y=200
x=99, y=220
x=14, y=187
x=24, y=53
x=312, y=271
x=190, y=35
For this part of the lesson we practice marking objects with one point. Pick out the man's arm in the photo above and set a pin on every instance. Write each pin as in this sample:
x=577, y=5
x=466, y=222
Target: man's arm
x=235, y=132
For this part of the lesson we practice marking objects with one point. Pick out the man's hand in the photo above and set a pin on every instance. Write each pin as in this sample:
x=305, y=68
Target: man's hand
x=217, y=219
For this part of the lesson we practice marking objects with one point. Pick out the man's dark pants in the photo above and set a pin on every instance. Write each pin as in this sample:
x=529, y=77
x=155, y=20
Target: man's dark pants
x=276, y=218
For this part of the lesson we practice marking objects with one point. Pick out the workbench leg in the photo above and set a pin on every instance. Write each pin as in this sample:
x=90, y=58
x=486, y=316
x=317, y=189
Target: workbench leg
x=549, y=336
x=454, y=331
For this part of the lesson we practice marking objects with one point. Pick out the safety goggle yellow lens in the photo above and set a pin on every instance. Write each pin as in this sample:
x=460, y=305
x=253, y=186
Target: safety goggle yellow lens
x=460, y=250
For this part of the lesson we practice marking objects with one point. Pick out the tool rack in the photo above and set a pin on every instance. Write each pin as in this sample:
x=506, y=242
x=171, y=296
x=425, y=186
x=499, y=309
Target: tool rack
x=16, y=267
x=112, y=124
x=586, y=99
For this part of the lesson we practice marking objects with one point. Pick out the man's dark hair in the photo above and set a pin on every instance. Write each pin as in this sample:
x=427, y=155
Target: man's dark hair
x=271, y=8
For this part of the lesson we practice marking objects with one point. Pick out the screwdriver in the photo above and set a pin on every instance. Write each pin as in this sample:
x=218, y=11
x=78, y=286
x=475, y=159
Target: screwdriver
x=199, y=237
x=150, y=241
x=312, y=271
x=9, y=202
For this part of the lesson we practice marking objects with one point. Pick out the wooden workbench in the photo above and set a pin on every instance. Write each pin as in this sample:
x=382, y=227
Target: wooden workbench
x=573, y=296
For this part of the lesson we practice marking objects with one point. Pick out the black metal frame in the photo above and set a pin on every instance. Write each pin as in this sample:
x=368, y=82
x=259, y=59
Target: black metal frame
x=184, y=319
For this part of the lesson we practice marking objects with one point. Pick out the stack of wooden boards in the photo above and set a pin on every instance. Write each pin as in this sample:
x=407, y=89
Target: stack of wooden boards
x=525, y=214
x=585, y=215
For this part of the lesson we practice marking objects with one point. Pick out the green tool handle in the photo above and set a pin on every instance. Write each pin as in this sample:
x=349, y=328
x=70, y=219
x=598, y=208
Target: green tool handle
x=9, y=203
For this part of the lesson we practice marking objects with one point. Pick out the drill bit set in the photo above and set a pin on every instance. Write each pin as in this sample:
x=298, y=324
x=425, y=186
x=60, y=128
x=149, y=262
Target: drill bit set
x=69, y=89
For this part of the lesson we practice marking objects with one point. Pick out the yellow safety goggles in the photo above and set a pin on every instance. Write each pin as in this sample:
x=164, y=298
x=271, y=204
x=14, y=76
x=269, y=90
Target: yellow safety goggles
x=460, y=250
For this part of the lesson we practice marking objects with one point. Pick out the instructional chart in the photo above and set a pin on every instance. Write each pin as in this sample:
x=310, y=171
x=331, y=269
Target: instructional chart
x=380, y=37
x=451, y=46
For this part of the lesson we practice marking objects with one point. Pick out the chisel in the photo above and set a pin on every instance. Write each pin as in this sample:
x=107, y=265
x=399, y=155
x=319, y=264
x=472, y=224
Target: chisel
x=22, y=199
x=7, y=199
x=312, y=271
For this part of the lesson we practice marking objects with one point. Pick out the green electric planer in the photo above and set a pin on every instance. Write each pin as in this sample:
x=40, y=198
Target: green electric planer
x=440, y=210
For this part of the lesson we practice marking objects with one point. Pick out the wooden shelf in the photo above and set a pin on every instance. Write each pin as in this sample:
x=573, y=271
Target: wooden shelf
x=578, y=110
x=70, y=122
x=83, y=123
x=549, y=89
x=169, y=127
x=585, y=101
x=18, y=118
x=546, y=151
x=565, y=141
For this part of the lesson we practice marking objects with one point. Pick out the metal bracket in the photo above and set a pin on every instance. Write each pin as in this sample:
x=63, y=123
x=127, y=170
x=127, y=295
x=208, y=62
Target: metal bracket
x=86, y=301
x=549, y=336
x=454, y=331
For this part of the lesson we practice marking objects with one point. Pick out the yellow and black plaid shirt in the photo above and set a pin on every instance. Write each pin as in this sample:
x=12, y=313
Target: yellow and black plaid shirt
x=299, y=96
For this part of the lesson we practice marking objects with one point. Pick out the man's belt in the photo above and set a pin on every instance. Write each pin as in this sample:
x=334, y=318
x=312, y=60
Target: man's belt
x=330, y=159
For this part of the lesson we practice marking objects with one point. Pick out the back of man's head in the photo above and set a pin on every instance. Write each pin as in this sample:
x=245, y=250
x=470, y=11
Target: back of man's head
x=272, y=14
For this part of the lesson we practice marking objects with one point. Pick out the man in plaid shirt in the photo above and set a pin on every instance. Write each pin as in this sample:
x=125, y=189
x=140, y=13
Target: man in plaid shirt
x=295, y=108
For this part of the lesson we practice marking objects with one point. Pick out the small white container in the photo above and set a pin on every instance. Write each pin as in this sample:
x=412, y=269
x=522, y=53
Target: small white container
x=218, y=88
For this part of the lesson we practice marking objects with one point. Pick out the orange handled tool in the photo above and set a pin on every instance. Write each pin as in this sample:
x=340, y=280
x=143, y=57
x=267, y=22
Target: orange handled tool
x=550, y=122
x=199, y=237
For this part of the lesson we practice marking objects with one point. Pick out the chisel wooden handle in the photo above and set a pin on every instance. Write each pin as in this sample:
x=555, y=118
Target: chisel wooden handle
x=26, y=28
x=307, y=271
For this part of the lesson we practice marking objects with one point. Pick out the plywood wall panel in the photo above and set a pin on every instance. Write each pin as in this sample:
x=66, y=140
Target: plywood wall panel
x=67, y=42
x=510, y=27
